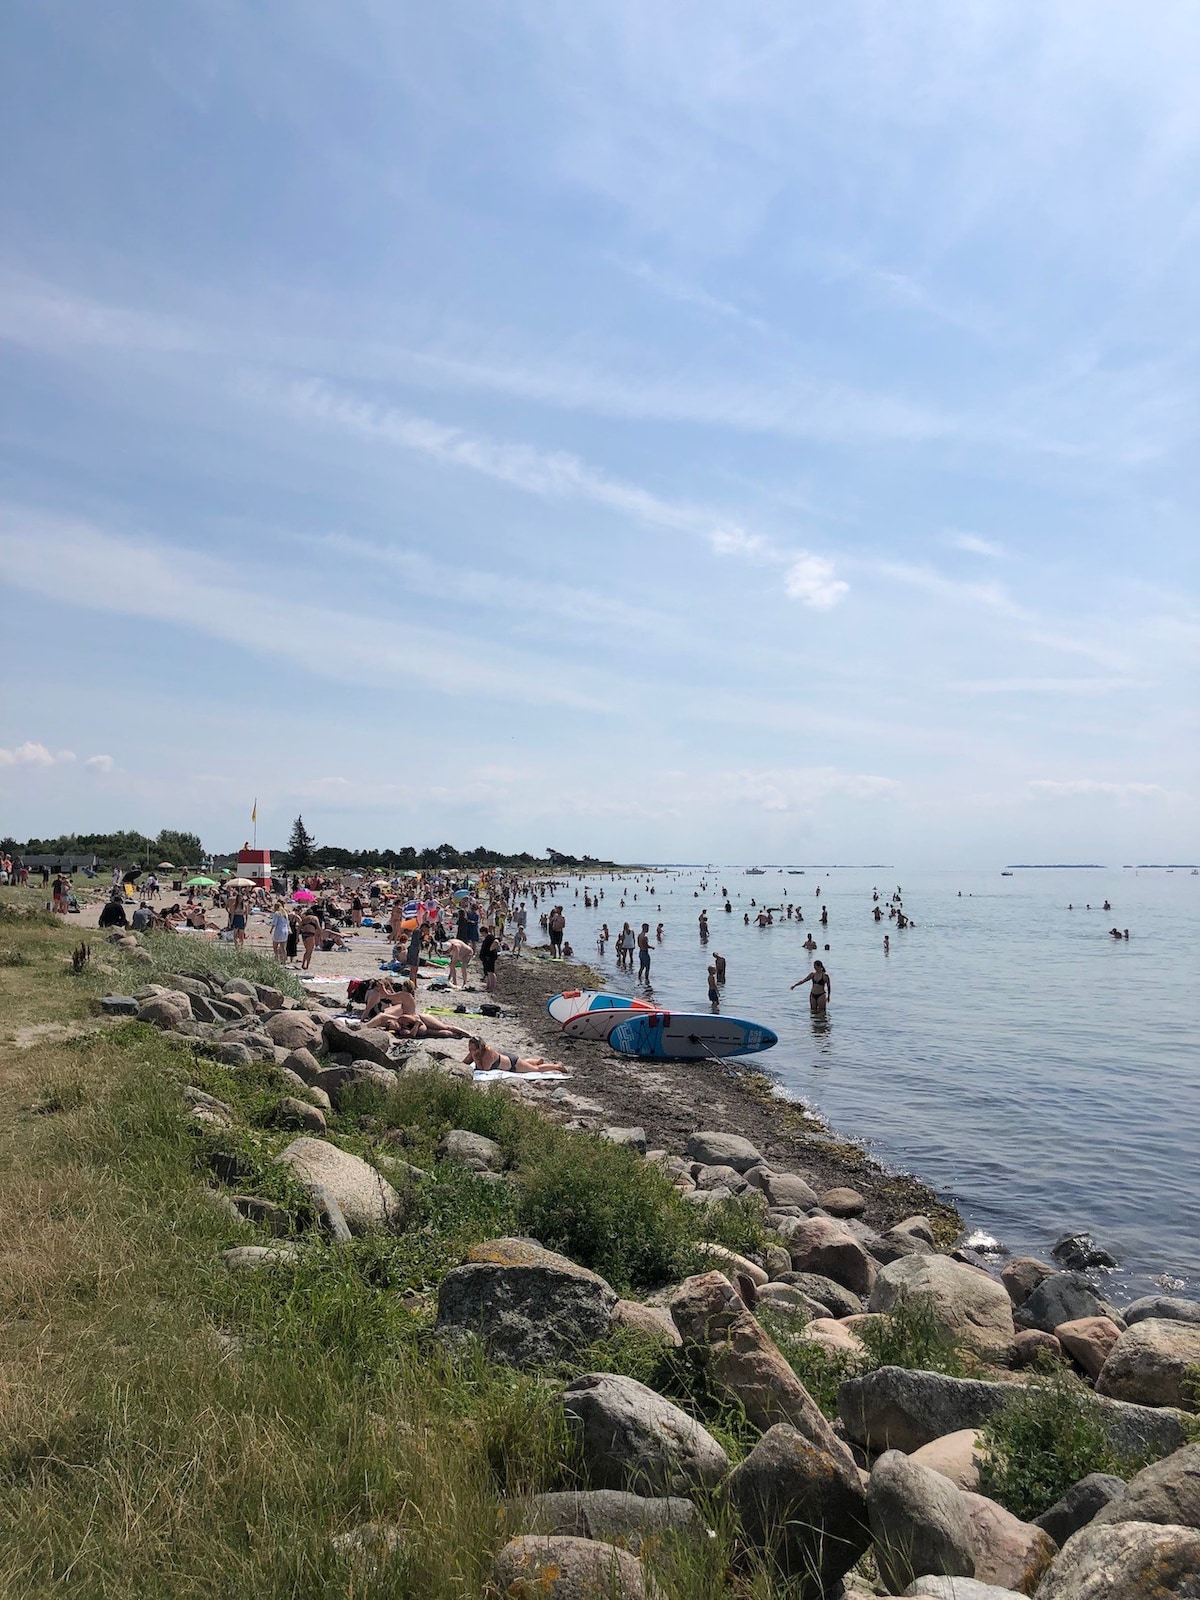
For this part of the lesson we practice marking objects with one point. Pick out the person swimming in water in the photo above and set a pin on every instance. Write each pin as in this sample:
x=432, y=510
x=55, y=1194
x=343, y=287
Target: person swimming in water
x=822, y=989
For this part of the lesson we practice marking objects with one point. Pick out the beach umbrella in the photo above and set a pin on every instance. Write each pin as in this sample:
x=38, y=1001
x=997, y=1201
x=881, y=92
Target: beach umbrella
x=304, y=894
x=412, y=907
x=201, y=883
x=462, y=894
x=166, y=866
x=242, y=883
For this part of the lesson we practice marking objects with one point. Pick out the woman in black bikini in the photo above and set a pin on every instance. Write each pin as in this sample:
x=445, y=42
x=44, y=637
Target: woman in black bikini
x=822, y=989
x=485, y=1058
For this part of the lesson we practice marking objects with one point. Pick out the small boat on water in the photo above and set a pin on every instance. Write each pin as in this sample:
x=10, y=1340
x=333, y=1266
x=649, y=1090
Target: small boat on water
x=755, y=872
x=1006, y=874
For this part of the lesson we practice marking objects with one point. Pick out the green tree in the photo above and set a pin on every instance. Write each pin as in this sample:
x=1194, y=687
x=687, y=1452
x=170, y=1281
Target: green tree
x=301, y=846
x=183, y=849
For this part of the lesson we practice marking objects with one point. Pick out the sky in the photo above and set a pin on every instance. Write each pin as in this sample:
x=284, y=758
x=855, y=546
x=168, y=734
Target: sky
x=667, y=431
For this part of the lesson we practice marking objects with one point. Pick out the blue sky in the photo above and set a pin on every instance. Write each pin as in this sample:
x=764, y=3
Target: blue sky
x=670, y=431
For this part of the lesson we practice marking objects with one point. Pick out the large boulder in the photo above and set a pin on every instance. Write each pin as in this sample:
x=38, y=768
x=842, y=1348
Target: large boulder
x=782, y=1188
x=1149, y=1363
x=474, y=1150
x=955, y=1455
x=360, y=1044
x=530, y=1306
x=557, y=1567
x=652, y=1322
x=340, y=1083
x=970, y=1307
x=837, y=1300
x=169, y=1009
x=1060, y=1297
x=733, y=1265
x=898, y=1409
x=786, y=1300
x=1008, y=1552
x=1167, y=1307
x=628, y=1437
x=612, y=1515
x=1082, y=1502
x=1089, y=1340
x=367, y=1200
x=295, y=1030
x=1126, y=1561
x=1165, y=1491
x=825, y=1246
x=805, y=1507
x=919, y=1522
x=745, y=1361
x=723, y=1150
x=841, y=1201
x=304, y=1064
x=931, y=1587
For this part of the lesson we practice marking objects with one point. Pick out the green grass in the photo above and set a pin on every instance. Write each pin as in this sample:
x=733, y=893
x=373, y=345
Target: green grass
x=177, y=952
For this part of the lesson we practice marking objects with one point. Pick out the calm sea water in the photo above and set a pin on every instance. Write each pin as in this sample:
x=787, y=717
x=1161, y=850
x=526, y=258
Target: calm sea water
x=1008, y=1051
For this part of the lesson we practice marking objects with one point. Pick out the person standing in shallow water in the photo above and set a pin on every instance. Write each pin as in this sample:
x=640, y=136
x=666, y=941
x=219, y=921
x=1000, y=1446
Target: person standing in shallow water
x=822, y=990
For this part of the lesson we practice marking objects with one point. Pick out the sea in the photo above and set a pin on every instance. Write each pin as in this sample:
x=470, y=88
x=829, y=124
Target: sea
x=1008, y=1051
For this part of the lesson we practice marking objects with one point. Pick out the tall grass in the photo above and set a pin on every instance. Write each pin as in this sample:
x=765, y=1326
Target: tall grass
x=179, y=952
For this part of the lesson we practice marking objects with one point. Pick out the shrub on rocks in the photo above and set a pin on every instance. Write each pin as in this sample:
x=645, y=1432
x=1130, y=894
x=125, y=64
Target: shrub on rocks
x=629, y=1437
x=801, y=1506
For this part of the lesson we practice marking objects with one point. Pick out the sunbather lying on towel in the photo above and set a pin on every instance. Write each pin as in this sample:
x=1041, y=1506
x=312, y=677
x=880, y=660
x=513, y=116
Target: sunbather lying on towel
x=486, y=1058
x=393, y=1006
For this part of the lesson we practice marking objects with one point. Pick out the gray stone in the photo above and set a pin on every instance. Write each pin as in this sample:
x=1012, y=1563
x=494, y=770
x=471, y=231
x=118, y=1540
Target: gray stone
x=254, y=1257
x=360, y=1044
x=782, y=1188
x=895, y=1408
x=1164, y=1308
x=266, y=1214
x=232, y=1053
x=204, y=1009
x=167, y=1010
x=1166, y=1491
x=629, y=1437
x=1062, y=1297
x=198, y=1097
x=473, y=1150
x=614, y=1516
x=1149, y=1364
x=308, y=1091
x=273, y=999
x=837, y=1300
x=557, y=1567
x=340, y=1083
x=365, y=1196
x=528, y=1313
x=1082, y=1502
x=304, y=1064
x=827, y=1247
x=373, y=1541
x=843, y=1202
x=726, y=1178
x=653, y=1322
x=801, y=1505
x=119, y=1005
x=240, y=986
x=1021, y=1276
x=939, y=1588
x=293, y=1113
x=295, y=1029
x=1126, y=1561
x=1008, y=1552
x=918, y=1522
x=787, y=1300
x=723, y=1150
x=1079, y=1251
x=969, y=1307
x=330, y=1214
x=635, y=1138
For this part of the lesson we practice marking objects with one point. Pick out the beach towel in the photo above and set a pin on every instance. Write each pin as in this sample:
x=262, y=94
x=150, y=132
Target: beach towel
x=535, y=1077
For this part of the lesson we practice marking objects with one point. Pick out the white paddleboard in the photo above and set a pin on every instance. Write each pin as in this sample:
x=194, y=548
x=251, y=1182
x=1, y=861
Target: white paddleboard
x=597, y=1024
x=574, y=1001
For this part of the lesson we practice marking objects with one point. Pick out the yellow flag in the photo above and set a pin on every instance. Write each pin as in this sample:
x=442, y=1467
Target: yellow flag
x=254, y=813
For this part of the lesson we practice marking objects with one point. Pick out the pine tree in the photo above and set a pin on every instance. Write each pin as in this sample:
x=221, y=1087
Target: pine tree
x=301, y=845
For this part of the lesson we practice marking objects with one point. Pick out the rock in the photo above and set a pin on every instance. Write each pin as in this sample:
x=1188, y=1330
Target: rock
x=252, y=1257
x=1008, y=1552
x=166, y=1010
x=398, y=1170
x=970, y=1308
x=837, y=1300
x=205, y=1010
x=304, y=1064
x=266, y=1214
x=293, y=1113
x=1089, y=1340
x=1021, y=1276
x=723, y=1150
x=529, y=1313
x=612, y=1515
x=1162, y=1307
x=630, y=1437
x=842, y=1202
x=240, y=986
x=229, y=1166
x=1166, y=1491
x=1126, y=1561
x=273, y=999
x=782, y=1188
x=232, y=1053
x=366, y=1198
x=339, y=1084
x=373, y=1540
x=935, y=1588
x=1031, y=1344
x=1078, y=1251
x=955, y=1455
x=557, y=1567
x=708, y=1197
x=635, y=1138
x=900, y=1241
x=119, y=1005
x=473, y=1150
x=819, y=1244
x=729, y=1262
x=1148, y=1364
x=295, y=1029
x=786, y=1299
x=833, y=1337
x=718, y=1178
x=919, y=1229
x=743, y=1359
x=215, y=1119
x=198, y=1097
x=360, y=1044
x=805, y=1507
x=652, y=1321
x=1082, y=1502
x=309, y=1091
x=895, y=1408
x=919, y=1522
x=1061, y=1297
x=330, y=1214
x=776, y=1260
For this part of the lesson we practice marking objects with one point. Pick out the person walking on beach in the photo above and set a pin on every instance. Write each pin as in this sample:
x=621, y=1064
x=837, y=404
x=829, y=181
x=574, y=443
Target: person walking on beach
x=489, y=954
x=310, y=928
x=643, y=944
x=279, y=931
x=822, y=990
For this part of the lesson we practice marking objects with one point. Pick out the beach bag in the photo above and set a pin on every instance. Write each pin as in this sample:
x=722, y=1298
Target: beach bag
x=356, y=989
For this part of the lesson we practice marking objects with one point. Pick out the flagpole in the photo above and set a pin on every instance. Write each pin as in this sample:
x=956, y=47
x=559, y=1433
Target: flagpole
x=254, y=821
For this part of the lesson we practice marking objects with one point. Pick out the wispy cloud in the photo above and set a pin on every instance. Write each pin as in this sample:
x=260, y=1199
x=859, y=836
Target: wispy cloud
x=1066, y=686
x=30, y=754
x=811, y=580
x=1066, y=788
x=974, y=544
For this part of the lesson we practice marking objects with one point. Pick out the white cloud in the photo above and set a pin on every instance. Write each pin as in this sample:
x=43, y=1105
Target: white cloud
x=975, y=545
x=810, y=580
x=99, y=764
x=32, y=755
x=1070, y=787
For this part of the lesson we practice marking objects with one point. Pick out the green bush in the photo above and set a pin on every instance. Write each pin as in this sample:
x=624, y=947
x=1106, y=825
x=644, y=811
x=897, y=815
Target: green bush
x=821, y=1371
x=911, y=1337
x=1047, y=1439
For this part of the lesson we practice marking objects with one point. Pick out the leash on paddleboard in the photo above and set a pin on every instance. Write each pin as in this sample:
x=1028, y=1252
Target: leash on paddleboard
x=694, y=1038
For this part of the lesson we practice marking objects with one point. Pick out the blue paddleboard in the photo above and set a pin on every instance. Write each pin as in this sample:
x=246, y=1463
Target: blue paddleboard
x=688, y=1036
